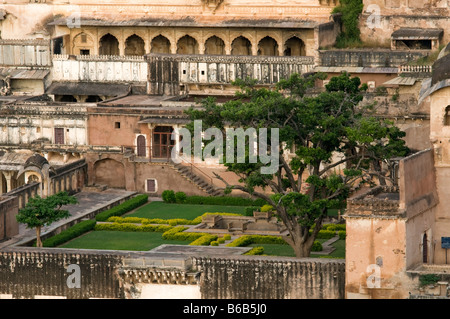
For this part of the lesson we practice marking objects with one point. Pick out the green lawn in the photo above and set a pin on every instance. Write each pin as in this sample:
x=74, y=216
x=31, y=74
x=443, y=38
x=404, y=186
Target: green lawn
x=187, y=211
x=118, y=240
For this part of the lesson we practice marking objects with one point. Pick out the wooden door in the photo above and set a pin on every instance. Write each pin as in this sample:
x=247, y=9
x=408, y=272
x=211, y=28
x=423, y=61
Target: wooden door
x=59, y=135
x=141, y=146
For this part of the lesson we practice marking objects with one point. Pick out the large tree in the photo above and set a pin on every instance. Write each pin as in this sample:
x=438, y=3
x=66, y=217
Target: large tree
x=39, y=212
x=336, y=147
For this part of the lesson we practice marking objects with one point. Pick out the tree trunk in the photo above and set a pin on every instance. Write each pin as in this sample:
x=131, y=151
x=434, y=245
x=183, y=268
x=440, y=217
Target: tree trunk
x=299, y=243
x=38, y=236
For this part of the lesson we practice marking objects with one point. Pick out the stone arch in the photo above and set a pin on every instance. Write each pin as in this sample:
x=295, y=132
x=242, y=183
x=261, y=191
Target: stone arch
x=268, y=46
x=109, y=172
x=160, y=44
x=215, y=45
x=241, y=46
x=83, y=44
x=294, y=46
x=3, y=183
x=108, y=45
x=187, y=45
x=134, y=45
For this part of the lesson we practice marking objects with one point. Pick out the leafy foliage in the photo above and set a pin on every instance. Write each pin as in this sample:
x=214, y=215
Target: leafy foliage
x=350, y=10
x=323, y=131
x=40, y=211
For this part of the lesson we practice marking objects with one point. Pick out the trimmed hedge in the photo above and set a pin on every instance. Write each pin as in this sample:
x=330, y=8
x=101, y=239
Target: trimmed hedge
x=255, y=251
x=168, y=196
x=205, y=240
x=342, y=234
x=128, y=227
x=256, y=239
x=317, y=246
x=224, y=200
x=123, y=208
x=171, y=222
x=70, y=233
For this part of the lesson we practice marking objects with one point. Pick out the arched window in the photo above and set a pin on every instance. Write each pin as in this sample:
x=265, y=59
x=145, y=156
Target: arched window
x=241, y=46
x=215, y=45
x=447, y=116
x=187, y=45
x=134, y=45
x=294, y=47
x=160, y=44
x=268, y=47
x=109, y=45
x=425, y=248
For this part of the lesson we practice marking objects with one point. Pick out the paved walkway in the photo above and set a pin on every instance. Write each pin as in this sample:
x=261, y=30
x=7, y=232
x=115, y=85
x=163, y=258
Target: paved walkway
x=87, y=203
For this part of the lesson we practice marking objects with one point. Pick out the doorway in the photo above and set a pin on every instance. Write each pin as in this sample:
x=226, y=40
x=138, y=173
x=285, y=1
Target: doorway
x=162, y=142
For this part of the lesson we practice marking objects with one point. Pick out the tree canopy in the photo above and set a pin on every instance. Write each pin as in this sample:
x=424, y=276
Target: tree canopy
x=39, y=212
x=335, y=146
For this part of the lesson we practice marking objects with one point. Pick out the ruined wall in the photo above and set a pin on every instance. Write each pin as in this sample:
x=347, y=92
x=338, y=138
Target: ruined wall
x=28, y=273
x=25, y=53
x=167, y=72
x=367, y=57
x=395, y=14
x=41, y=273
x=100, y=68
x=8, y=211
x=270, y=278
x=26, y=122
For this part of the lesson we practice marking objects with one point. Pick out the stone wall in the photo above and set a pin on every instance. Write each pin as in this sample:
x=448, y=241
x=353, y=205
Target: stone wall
x=40, y=273
x=367, y=57
x=25, y=53
x=271, y=278
x=99, y=68
x=167, y=72
x=8, y=211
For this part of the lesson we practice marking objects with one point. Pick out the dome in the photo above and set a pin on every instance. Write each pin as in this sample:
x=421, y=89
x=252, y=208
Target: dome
x=36, y=160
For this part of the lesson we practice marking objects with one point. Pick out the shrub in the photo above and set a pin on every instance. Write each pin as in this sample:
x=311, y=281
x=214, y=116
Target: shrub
x=180, y=197
x=168, y=196
x=428, y=279
x=256, y=239
x=317, y=246
x=224, y=200
x=325, y=234
x=221, y=240
x=248, y=211
x=255, y=251
x=70, y=233
x=342, y=234
x=227, y=237
x=267, y=208
x=123, y=208
x=177, y=233
x=205, y=240
x=213, y=243
x=128, y=227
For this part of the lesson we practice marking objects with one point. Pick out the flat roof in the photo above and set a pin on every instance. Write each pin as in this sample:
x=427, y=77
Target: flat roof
x=417, y=34
x=287, y=23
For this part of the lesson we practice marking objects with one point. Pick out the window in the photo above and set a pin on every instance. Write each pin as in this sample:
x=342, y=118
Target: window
x=59, y=135
x=117, y=125
x=85, y=52
x=447, y=116
x=151, y=186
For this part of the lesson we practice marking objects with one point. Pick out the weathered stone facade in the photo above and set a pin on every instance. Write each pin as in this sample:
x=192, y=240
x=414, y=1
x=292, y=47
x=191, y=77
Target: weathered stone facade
x=40, y=273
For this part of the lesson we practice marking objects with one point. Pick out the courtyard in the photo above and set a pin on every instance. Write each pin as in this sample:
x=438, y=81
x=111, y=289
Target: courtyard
x=126, y=232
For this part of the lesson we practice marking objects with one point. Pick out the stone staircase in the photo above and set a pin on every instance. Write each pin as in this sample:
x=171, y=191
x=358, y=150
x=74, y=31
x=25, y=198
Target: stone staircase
x=195, y=179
